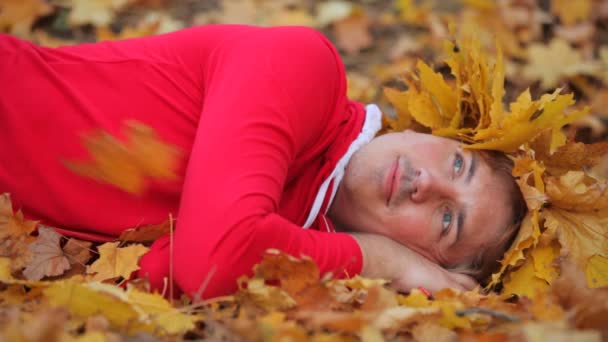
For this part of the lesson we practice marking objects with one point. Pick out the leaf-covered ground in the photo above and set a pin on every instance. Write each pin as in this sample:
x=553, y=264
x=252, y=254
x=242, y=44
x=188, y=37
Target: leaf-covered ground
x=521, y=76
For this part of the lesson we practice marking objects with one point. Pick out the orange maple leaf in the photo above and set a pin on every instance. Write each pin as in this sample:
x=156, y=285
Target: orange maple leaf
x=127, y=165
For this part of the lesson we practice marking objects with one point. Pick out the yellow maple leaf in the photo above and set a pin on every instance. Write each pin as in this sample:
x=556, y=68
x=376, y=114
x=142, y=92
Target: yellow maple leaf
x=116, y=261
x=528, y=236
x=553, y=62
x=581, y=235
x=596, y=271
x=127, y=165
x=571, y=12
x=84, y=301
x=524, y=282
x=576, y=191
x=156, y=309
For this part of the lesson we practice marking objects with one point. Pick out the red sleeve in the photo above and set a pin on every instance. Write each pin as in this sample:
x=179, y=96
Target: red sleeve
x=268, y=95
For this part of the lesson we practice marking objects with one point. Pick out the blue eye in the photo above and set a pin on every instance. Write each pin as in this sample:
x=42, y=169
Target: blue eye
x=446, y=220
x=458, y=161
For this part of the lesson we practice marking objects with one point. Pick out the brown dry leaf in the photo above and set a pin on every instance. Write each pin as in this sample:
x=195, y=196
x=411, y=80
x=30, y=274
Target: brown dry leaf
x=572, y=156
x=299, y=278
x=48, y=259
x=17, y=250
x=18, y=16
x=555, y=61
x=77, y=251
x=127, y=165
x=588, y=308
x=115, y=261
x=352, y=33
x=146, y=233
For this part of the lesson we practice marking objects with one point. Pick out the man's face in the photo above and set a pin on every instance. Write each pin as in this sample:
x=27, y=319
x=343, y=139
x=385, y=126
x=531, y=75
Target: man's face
x=425, y=192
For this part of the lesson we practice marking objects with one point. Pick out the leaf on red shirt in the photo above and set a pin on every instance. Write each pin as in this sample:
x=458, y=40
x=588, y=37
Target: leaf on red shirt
x=127, y=165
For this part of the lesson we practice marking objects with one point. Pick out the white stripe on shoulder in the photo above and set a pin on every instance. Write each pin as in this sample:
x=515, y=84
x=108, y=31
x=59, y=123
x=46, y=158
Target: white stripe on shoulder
x=373, y=123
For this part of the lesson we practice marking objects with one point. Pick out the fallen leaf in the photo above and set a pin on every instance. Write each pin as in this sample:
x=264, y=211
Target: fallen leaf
x=153, y=307
x=146, y=233
x=13, y=225
x=596, y=271
x=18, y=16
x=524, y=282
x=331, y=11
x=581, y=235
x=352, y=33
x=116, y=261
x=96, y=12
x=77, y=251
x=555, y=61
x=577, y=192
x=48, y=259
x=571, y=12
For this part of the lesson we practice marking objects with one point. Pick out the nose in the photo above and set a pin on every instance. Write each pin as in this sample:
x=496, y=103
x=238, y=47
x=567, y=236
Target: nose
x=426, y=186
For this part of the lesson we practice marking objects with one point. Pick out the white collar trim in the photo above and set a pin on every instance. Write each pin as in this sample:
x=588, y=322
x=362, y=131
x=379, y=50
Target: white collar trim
x=373, y=123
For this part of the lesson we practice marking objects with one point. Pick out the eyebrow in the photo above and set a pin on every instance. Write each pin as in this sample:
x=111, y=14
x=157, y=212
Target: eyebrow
x=462, y=213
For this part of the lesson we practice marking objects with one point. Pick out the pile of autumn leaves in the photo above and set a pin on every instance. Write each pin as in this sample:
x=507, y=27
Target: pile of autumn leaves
x=67, y=289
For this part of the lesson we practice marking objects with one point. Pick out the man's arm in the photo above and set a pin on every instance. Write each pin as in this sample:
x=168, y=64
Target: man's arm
x=385, y=258
x=268, y=97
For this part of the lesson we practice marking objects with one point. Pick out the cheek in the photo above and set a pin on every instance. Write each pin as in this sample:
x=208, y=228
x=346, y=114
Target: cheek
x=413, y=227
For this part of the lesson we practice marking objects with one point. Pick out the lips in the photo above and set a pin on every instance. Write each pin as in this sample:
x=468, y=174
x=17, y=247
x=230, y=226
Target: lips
x=391, y=183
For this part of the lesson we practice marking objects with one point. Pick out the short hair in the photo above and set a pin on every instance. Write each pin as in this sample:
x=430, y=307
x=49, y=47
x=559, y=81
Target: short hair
x=488, y=260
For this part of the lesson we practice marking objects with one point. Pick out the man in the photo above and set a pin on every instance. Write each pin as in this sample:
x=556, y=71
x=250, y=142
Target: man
x=263, y=149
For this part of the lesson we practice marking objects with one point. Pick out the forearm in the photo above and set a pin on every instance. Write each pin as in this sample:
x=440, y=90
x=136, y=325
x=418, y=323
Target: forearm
x=385, y=258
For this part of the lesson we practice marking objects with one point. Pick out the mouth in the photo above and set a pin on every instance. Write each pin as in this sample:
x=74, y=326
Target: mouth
x=391, y=181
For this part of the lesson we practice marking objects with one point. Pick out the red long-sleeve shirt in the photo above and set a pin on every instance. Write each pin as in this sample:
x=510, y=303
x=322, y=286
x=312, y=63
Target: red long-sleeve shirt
x=261, y=117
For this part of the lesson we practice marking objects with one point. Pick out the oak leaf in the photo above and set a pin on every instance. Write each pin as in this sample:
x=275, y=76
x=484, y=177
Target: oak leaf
x=48, y=259
x=116, y=261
